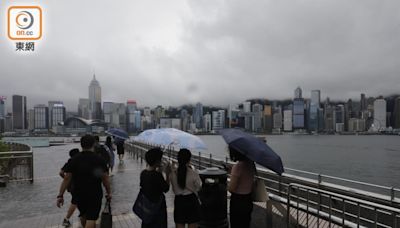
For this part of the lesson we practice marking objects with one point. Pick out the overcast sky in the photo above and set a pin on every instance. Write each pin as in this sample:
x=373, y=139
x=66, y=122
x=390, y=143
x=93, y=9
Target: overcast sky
x=216, y=52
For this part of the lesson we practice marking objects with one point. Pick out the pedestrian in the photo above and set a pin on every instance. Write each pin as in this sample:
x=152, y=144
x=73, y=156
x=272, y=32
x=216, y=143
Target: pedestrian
x=70, y=189
x=110, y=146
x=87, y=172
x=101, y=150
x=120, y=149
x=186, y=184
x=153, y=186
x=240, y=187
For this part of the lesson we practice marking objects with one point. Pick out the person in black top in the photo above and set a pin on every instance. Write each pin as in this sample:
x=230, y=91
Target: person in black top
x=72, y=207
x=101, y=150
x=153, y=185
x=87, y=171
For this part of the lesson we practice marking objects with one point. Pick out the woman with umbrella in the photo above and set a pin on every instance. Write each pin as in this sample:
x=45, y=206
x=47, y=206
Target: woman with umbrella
x=240, y=187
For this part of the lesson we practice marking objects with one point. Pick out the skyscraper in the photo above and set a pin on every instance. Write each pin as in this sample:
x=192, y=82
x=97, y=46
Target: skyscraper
x=363, y=103
x=287, y=120
x=298, y=93
x=397, y=113
x=57, y=114
x=51, y=105
x=130, y=115
x=314, y=110
x=257, y=118
x=2, y=114
x=379, y=114
x=84, y=108
x=2, y=108
x=41, y=117
x=218, y=119
x=198, y=115
x=298, y=113
x=20, y=118
x=94, y=99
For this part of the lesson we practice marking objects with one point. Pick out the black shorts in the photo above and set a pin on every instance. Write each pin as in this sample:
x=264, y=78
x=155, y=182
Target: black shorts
x=89, y=208
x=187, y=209
x=73, y=199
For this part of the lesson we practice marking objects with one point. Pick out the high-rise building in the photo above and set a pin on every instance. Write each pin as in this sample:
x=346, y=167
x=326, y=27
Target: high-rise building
x=363, y=103
x=287, y=120
x=218, y=119
x=130, y=115
x=8, y=123
x=41, y=117
x=2, y=107
x=51, y=105
x=198, y=115
x=268, y=124
x=257, y=118
x=184, y=120
x=137, y=120
x=277, y=118
x=314, y=110
x=329, y=117
x=207, y=122
x=298, y=93
x=339, y=118
x=247, y=106
x=356, y=125
x=94, y=99
x=20, y=118
x=57, y=114
x=31, y=119
x=396, y=113
x=2, y=114
x=233, y=114
x=84, y=108
x=159, y=112
x=379, y=114
x=298, y=113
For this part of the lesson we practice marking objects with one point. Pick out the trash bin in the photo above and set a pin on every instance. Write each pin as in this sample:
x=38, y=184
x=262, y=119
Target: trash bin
x=213, y=198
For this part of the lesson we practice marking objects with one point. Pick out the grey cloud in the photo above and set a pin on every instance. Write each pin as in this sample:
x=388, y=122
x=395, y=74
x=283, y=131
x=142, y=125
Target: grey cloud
x=216, y=52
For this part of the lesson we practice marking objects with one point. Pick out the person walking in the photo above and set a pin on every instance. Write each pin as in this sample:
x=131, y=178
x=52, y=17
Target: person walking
x=240, y=187
x=153, y=186
x=120, y=149
x=87, y=172
x=70, y=189
x=101, y=150
x=186, y=183
x=110, y=147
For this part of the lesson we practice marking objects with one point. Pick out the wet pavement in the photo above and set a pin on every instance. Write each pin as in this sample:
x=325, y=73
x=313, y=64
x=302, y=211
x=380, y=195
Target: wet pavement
x=26, y=204
x=25, y=200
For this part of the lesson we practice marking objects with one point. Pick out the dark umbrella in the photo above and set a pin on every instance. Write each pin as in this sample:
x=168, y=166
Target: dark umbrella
x=253, y=148
x=118, y=133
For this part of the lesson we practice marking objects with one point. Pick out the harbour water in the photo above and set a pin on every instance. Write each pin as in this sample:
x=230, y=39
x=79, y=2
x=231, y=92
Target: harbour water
x=367, y=158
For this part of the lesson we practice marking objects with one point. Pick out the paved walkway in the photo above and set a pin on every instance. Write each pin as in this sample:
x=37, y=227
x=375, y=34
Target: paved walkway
x=33, y=205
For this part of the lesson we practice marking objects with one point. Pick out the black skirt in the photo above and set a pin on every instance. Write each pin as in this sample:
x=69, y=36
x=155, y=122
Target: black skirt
x=187, y=209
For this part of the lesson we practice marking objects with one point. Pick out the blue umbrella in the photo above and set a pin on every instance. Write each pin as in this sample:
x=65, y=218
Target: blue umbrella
x=171, y=137
x=253, y=148
x=118, y=133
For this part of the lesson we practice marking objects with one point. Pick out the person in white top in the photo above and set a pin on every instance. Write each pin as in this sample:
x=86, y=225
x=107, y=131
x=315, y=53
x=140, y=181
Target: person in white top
x=185, y=183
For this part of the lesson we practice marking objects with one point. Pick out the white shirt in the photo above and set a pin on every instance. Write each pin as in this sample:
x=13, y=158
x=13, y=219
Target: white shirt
x=193, y=182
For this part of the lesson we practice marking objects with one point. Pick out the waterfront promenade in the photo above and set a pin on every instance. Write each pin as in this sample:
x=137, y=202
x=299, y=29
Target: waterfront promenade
x=25, y=204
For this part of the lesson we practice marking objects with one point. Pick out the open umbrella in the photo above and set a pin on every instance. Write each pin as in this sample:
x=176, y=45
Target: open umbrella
x=253, y=148
x=171, y=136
x=118, y=133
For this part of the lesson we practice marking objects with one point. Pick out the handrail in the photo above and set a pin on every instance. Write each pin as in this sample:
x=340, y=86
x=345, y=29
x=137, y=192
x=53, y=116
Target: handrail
x=374, y=210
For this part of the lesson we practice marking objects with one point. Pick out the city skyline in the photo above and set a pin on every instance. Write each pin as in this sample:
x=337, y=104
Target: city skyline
x=182, y=52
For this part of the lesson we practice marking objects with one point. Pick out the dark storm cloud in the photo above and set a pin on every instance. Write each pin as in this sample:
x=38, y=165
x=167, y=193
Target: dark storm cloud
x=216, y=52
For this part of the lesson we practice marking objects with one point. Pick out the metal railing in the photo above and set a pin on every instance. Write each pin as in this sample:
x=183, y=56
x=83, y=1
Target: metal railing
x=280, y=187
x=17, y=164
x=337, y=209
